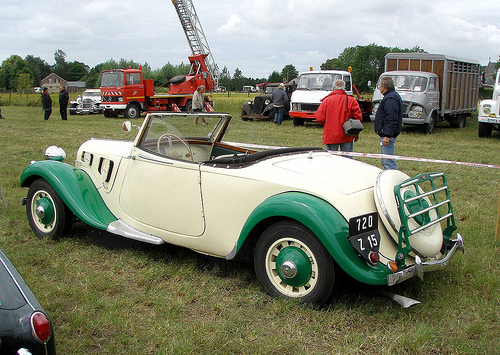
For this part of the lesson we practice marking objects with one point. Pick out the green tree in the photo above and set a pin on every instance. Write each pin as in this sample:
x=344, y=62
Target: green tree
x=24, y=82
x=238, y=80
x=38, y=67
x=289, y=73
x=10, y=70
x=77, y=71
x=275, y=77
x=60, y=67
x=225, y=78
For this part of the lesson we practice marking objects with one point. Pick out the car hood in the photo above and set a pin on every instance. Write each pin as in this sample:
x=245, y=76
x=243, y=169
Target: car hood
x=310, y=96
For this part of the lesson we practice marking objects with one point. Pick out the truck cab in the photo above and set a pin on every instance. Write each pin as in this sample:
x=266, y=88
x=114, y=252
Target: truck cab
x=312, y=87
x=123, y=91
x=420, y=94
x=489, y=112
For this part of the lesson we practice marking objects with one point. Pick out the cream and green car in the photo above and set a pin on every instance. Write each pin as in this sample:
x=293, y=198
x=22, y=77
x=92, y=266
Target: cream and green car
x=300, y=214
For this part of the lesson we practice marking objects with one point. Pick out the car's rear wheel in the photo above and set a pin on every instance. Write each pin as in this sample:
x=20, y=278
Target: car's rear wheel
x=47, y=214
x=291, y=262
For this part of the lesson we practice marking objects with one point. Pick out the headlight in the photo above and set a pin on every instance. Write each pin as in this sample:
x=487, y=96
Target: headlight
x=486, y=109
x=415, y=112
x=120, y=99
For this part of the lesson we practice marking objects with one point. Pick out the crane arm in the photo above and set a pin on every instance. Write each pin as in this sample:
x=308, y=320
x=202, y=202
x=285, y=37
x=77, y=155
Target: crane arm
x=195, y=35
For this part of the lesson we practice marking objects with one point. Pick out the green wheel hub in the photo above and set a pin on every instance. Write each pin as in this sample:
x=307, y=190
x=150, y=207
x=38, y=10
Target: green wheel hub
x=293, y=266
x=45, y=210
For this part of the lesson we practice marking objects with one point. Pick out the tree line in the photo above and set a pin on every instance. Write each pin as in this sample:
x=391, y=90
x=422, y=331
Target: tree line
x=20, y=74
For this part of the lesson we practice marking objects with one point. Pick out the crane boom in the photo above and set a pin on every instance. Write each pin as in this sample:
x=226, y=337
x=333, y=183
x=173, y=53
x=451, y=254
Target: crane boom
x=195, y=36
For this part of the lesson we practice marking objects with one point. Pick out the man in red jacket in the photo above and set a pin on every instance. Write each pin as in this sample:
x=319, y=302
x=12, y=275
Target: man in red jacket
x=335, y=109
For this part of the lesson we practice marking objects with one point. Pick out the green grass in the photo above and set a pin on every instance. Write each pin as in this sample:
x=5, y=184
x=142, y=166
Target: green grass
x=108, y=295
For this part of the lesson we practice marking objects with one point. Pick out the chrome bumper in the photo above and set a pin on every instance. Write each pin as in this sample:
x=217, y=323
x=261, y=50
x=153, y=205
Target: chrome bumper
x=420, y=267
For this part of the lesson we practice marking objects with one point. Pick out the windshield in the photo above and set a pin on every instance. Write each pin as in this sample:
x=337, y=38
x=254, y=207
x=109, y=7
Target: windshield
x=164, y=131
x=409, y=83
x=317, y=81
x=92, y=94
x=112, y=79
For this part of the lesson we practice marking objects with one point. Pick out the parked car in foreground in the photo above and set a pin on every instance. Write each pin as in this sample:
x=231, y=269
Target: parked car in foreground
x=301, y=214
x=24, y=326
x=90, y=102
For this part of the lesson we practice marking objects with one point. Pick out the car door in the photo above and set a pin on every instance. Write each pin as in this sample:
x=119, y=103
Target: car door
x=163, y=193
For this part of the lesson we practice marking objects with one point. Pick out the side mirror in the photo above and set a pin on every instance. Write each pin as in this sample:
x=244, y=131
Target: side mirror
x=127, y=126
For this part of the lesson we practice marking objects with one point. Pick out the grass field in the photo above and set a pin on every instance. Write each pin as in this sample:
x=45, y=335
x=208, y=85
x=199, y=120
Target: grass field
x=108, y=295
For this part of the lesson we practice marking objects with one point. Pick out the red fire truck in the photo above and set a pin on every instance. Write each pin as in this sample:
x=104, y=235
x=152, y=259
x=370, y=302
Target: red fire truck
x=126, y=92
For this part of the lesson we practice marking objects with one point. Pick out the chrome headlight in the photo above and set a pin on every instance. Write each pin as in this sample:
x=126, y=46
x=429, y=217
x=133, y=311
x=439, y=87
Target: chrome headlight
x=55, y=153
x=486, y=109
x=416, y=111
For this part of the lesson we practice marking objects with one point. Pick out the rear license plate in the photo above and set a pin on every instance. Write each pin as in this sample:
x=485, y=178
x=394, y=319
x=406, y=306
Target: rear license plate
x=363, y=234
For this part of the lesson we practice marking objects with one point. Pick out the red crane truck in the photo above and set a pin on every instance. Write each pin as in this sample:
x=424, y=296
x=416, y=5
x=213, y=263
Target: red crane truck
x=126, y=92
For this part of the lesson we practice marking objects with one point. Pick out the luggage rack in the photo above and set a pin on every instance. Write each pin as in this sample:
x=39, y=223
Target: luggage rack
x=423, y=201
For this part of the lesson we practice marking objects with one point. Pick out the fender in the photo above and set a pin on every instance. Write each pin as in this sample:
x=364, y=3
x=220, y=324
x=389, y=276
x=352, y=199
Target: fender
x=75, y=188
x=326, y=223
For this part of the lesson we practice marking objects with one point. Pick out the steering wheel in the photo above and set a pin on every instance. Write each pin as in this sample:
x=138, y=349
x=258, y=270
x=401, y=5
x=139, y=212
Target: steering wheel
x=170, y=143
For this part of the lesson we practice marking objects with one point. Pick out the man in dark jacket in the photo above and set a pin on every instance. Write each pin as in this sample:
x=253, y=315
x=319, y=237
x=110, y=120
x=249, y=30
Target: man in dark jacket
x=388, y=120
x=279, y=99
x=46, y=104
x=63, y=102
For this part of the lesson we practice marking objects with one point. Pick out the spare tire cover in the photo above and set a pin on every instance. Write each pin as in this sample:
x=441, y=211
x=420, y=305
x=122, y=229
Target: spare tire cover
x=428, y=241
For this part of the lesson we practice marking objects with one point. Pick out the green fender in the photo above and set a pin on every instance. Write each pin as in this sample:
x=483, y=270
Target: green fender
x=326, y=223
x=74, y=187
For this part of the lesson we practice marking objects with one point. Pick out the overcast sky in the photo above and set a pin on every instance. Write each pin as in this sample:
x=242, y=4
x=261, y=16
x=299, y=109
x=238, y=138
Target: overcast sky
x=256, y=36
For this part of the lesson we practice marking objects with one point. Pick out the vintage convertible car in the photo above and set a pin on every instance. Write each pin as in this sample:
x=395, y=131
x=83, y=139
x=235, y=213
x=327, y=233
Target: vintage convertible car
x=301, y=214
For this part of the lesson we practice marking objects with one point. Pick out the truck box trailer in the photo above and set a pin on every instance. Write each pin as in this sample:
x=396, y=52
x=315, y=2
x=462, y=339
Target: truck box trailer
x=433, y=87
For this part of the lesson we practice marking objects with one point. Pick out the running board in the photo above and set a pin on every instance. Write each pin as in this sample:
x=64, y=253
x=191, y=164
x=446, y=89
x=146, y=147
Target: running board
x=121, y=228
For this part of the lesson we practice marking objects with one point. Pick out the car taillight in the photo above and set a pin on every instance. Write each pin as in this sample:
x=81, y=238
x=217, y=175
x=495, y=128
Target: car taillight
x=374, y=257
x=40, y=327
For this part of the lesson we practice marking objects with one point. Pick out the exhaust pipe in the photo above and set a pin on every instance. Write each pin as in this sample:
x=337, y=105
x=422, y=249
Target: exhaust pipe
x=403, y=301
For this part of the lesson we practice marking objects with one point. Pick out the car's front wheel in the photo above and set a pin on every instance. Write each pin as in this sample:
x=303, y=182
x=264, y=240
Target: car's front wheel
x=291, y=262
x=47, y=214
x=132, y=111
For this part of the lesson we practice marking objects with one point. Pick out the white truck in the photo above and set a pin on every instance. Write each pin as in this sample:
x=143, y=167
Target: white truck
x=312, y=87
x=433, y=87
x=489, y=112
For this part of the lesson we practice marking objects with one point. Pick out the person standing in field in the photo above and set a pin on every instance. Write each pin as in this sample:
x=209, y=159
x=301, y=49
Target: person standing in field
x=335, y=109
x=279, y=99
x=63, y=102
x=46, y=104
x=388, y=120
x=199, y=103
